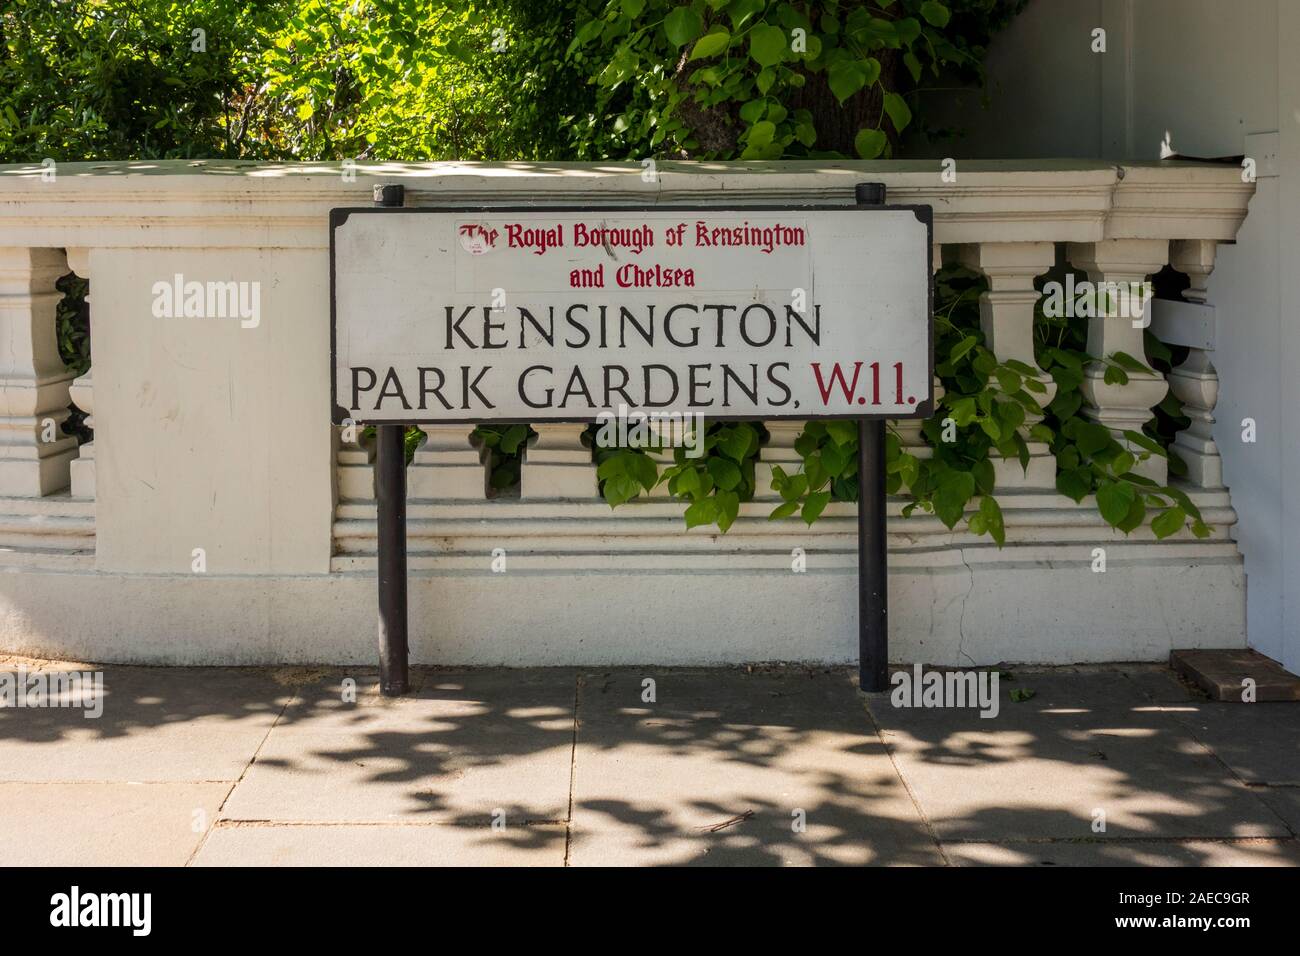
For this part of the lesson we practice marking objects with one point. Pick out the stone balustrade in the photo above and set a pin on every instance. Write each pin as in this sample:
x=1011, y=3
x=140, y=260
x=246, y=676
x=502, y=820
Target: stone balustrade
x=219, y=518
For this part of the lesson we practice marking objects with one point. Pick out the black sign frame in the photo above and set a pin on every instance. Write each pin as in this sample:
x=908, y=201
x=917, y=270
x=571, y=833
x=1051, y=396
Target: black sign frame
x=340, y=215
x=390, y=460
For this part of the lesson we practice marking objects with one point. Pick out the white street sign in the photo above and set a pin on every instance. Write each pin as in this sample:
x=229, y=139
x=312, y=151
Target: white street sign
x=558, y=314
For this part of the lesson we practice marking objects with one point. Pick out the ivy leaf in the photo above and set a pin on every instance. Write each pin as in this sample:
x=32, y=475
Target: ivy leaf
x=869, y=143
x=845, y=78
x=644, y=470
x=1113, y=501
x=611, y=467
x=784, y=510
x=753, y=111
x=762, y=133
x=1146, y=442
x=742, y=10
x=738, y=443
x=687, y=483
x=1129, y=363
x=908, y=29
x=1075, y=483
x=1137, y=513
x=899, y=113
x=711, y=44
x=728, y=509
x=724, y=472
x=1091, y=438
x=682, y=26
x=842, y=431
x=991, y=512
x=955, y=488
x=1168, y=522
x=935, y=13
x=767, y=45
x=961, y=348
x=620, y=489
x=511, y=439
x=913, y=65
x=704, y=511
x=586, y=33
x=814, y=506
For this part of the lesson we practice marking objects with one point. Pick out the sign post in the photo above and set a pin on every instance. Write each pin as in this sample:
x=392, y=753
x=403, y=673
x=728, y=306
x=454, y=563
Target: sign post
x=568, y=314
x=873, y=540
x=390, y=513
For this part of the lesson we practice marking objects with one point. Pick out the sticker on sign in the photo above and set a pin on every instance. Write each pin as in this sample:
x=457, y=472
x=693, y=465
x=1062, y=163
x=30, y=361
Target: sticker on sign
x=559, y=314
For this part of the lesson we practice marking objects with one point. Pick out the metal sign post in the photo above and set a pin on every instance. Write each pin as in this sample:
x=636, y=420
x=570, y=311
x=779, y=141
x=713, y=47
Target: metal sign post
x=873, y=542
x=390, y=506
x=469, y=314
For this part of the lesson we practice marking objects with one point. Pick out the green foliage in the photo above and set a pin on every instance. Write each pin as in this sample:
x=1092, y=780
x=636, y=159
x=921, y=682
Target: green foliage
x=979, y=415
x=1089, y=459
x=506, y=443
x=119, y=79
x=597, y=79
x=756, y=79
x=983, y=413
x=72, y=323
x=411, y=80
x=713, y=485
x=420, y=80
x=72, y=334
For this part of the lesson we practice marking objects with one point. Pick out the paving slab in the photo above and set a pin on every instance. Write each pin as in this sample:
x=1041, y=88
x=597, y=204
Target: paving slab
x=463, y=747
x=1159, y=683
x=1285, y=802
x=1124, y=853
x=1088, y=743
x=729, y=768
x=1220, y=674
x=1260, y=741
x=379, y=845
x=158, y=724
x=105, y=824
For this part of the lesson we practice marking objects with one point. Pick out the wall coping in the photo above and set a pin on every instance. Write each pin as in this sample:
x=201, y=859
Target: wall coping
x=221, y=203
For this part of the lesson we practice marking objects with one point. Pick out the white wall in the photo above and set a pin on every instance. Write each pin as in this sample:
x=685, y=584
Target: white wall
x=1207, y=74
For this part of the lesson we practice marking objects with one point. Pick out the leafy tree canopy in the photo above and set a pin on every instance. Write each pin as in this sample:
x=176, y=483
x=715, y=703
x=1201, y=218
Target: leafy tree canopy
x=479, y=79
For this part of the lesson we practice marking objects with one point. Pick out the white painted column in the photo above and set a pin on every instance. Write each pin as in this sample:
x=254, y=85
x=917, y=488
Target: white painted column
x=1195, y=382
x=1124, y=407
x=557, y=464
x=354, y=472
x=34, y=381
x=1007, y=321
x=82, y=393
x=447, y=465
x=82, y=468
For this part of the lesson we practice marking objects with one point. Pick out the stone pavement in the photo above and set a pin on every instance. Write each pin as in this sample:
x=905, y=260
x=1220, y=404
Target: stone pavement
x=552, y=767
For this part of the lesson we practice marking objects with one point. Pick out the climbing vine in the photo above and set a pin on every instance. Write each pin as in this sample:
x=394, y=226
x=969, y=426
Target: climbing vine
x=949, y=473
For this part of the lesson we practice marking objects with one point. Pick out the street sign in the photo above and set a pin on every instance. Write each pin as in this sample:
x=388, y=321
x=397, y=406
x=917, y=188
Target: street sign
x=558, y=314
